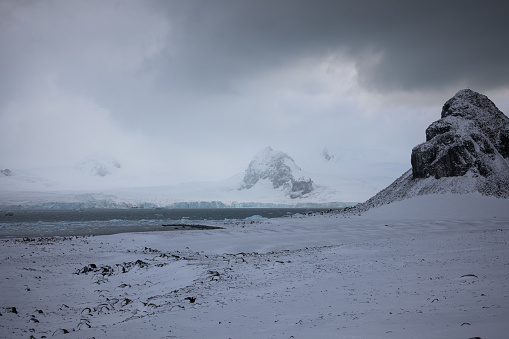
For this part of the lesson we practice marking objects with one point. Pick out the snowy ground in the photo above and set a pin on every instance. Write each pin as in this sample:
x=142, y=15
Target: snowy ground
x=395, y=272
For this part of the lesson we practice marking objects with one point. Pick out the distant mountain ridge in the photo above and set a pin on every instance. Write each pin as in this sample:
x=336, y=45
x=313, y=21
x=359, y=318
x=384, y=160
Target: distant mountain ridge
x=466, y=151
x=272, y=179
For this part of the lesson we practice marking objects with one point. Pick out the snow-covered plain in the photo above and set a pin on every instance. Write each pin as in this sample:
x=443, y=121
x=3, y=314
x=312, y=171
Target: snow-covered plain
x=435, y=266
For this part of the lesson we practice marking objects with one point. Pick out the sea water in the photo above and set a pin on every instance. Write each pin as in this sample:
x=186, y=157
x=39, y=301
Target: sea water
x=43, y=223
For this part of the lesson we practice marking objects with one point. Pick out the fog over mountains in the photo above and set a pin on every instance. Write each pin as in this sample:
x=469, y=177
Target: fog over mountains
x=271, y=179
x=465, y=151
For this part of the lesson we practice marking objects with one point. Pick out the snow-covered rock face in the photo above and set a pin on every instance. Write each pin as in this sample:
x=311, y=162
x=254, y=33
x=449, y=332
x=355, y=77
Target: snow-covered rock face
x=472, y=135
x=467, y=151
x=280, y=169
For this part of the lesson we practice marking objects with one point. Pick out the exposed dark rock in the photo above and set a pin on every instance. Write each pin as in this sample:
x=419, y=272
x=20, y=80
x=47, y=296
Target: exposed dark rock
x=191, y=299
x=471, y=134
x=180, y=226
x=107, y=270
x=301, y=187
x=11, y=310
x=466, y=151
x=60, y=331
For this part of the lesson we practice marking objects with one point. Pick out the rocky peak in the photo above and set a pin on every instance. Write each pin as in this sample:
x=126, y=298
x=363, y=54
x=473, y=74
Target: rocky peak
x=472, y=135
x=469, y=104
x=280, y=169
x=465, y=151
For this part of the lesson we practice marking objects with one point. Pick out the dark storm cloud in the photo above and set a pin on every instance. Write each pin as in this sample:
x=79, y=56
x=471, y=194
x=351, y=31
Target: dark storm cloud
x=409, y=45
x=175, y=82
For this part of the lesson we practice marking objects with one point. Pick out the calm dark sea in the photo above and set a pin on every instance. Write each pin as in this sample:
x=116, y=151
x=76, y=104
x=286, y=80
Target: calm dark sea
x=41, y=223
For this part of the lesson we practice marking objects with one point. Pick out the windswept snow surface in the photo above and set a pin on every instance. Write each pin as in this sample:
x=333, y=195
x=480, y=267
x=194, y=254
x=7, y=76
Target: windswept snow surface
x=407, y=269
x=442, y=207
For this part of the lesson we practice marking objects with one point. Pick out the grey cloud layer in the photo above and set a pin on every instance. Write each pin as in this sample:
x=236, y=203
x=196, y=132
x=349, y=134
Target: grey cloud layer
x=224, y=79
x=208, y=47
x=409, y=45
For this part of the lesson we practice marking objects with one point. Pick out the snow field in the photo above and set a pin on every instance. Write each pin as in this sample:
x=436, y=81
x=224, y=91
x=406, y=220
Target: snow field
x=307, y=277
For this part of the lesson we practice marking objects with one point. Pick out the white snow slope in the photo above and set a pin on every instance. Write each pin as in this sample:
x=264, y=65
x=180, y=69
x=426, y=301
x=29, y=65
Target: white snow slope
x=410, y=269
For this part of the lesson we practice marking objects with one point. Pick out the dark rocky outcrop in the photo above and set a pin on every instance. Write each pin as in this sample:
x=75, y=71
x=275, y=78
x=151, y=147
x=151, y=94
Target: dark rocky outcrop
x=280, y=169
x=466, y=151
x=470, y=135
x=302, y=186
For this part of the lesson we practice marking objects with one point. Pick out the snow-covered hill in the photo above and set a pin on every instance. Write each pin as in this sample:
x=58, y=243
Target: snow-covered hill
x=466, y=151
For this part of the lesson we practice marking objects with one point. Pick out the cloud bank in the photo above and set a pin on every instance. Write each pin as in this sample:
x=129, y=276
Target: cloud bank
x=196, y=88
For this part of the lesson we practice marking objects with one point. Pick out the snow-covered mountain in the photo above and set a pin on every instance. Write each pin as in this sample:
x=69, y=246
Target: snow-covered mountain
x=466, y=151
x=280, y=170
x=272, y=179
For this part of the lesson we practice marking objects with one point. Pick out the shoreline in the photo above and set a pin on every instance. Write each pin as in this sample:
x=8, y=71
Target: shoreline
x=312, y=277
x=49, y=231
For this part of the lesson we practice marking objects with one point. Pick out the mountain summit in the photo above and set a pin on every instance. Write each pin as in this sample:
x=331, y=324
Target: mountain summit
x=280, y=170
x=466, y=151
x=472, y=135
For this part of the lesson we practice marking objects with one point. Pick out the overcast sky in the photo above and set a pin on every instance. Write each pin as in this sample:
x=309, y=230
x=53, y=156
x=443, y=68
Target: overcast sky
x=197, y=88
